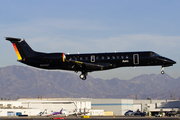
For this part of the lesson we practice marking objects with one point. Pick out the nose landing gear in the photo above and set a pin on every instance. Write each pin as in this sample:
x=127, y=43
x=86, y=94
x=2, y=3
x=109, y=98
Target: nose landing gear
x=162, y=70
x=83, y=75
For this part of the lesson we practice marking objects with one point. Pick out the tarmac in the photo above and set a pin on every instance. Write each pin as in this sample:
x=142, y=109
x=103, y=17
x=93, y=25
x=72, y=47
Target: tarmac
x=90, y=118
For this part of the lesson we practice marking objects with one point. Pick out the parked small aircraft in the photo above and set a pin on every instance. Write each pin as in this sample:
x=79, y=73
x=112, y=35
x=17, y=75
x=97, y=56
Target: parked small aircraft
x=172, y=113
x=129, y=113
x=45, y=113
x=56, y=113
x=86, y=62
x=137, y=113
x=68, y=113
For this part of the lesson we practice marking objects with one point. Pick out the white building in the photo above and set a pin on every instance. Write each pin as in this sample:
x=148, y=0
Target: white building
x=13, y=108
x=163, y=106
x=56, y=105
x=96, y=107
x=33, y=107
x=120, y=106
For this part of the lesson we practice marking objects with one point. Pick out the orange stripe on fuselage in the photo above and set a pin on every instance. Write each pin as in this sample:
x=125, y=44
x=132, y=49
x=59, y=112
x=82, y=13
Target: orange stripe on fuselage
x=17, y=52
x=64, y=57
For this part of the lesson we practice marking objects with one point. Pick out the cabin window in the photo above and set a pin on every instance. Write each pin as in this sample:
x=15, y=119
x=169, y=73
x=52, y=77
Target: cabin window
x=97, y=58
x=127, y=56
x=70, y=58
x=86, y=58
x=122, y=57
x=102, y=57
x=81, y=58
x=75, y=58
x=108, y=57
x=117, y=57
x=113, y=57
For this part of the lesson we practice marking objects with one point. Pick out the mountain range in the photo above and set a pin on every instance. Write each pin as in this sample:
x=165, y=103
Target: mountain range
x=28, y=82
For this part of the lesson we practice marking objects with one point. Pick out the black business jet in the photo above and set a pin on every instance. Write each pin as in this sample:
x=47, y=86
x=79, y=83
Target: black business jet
x=86, y=62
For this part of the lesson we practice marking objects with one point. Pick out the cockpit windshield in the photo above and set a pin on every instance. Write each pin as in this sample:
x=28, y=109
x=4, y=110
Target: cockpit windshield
x=153, y=54
x=156, y=54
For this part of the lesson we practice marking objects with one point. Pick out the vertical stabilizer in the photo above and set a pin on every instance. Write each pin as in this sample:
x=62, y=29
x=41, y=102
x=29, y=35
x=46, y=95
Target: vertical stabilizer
x=22, y=49
x=61, y=111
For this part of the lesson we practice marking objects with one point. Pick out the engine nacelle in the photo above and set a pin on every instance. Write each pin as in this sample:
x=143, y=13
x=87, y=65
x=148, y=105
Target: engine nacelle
x=53, y=57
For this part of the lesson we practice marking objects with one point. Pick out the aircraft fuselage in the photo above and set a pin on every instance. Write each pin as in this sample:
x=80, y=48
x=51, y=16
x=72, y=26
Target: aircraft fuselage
x=107, y=60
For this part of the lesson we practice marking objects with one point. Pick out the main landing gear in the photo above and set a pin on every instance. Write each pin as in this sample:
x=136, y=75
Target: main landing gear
x=83, y=75
x=162, y=70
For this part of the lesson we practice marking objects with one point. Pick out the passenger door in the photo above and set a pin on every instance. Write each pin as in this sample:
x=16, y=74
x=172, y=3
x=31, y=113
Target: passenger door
x=92, y=58
x=136, y=59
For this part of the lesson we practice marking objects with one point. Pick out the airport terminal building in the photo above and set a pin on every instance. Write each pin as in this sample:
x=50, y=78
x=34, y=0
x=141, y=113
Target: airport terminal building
x=120, y=106
x=89, y=106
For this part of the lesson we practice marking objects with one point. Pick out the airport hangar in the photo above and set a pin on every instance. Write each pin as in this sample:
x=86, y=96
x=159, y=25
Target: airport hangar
x=32, y=107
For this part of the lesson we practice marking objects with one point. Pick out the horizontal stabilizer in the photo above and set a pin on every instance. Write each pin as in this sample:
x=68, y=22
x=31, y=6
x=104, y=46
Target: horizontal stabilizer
x=14, y=39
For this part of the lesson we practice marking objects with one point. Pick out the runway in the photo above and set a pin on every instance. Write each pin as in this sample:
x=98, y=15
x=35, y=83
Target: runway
x=91, y=118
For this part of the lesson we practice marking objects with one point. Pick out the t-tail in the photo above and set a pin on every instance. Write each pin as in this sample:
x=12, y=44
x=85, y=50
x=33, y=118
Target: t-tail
x=22, y=49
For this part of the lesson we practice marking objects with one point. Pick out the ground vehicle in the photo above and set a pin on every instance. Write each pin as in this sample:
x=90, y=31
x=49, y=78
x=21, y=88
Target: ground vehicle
x=158, y=115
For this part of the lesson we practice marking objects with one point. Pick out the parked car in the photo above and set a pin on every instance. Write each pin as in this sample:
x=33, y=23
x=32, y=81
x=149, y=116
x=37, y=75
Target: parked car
x=158, y=115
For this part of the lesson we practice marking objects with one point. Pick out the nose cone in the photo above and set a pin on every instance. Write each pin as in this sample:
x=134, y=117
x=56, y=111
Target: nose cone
x=173, y=62
x=168, y=61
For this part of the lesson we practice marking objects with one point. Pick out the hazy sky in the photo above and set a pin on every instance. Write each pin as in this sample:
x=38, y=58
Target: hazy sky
x=88, y=26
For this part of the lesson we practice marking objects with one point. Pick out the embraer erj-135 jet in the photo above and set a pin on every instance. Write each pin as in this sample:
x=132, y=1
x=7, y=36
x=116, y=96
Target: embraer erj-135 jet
x=86, y=62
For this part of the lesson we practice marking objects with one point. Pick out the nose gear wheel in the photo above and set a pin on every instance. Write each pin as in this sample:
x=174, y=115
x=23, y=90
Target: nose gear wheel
x=83, y=75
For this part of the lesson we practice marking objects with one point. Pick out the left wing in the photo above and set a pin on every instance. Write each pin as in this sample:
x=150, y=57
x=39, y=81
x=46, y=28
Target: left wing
x=87, y=65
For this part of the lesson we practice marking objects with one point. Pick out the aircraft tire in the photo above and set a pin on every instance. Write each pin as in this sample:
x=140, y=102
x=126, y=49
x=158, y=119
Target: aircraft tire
x=83, y=77
x=162, y=72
